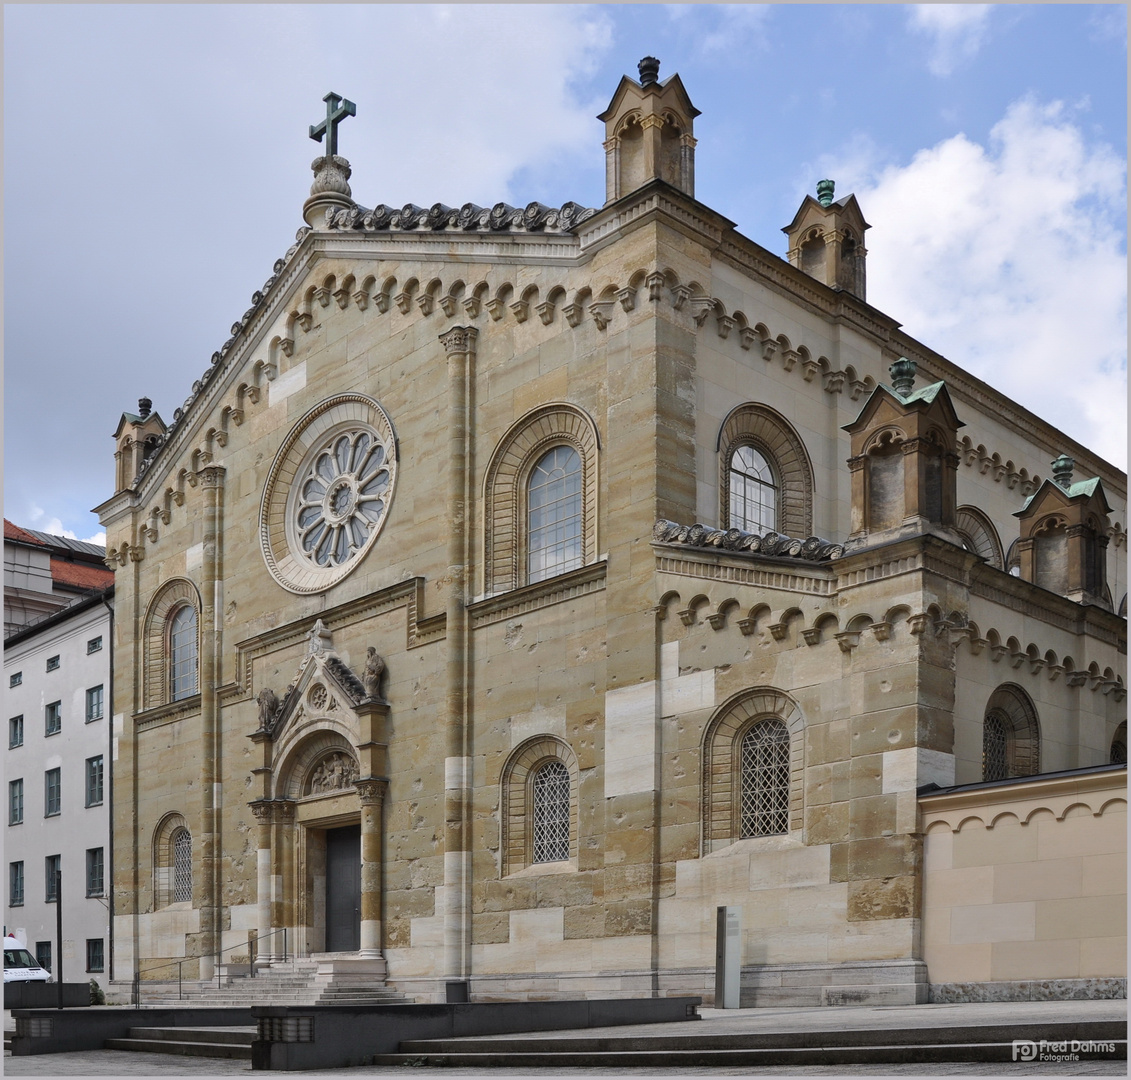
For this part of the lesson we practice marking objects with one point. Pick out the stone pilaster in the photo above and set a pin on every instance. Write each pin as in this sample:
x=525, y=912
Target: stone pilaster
x=371, y=795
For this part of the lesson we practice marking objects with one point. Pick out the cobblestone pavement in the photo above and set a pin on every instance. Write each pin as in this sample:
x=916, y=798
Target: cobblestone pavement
x=123, y=1063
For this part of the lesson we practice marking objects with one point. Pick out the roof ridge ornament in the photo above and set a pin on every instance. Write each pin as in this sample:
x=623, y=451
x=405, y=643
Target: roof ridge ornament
x=825, y=189
x=337, y=109
x=1062, y=471
x=649, y=69
x=903, y=376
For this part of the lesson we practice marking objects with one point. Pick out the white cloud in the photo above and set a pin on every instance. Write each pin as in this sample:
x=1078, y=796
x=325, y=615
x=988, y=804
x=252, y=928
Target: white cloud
x=956, y=32
x=720, y=27
x=1009, y=259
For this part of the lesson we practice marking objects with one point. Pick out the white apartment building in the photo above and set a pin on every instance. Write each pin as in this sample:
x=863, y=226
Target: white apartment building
x=57, y=771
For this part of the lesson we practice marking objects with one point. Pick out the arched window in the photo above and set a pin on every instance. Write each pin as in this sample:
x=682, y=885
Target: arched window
x=1011, y=741
x=182, y=866
x=540, y=498
x=995, y=747
x=765, y=477
x=765, y=780
x=753, y=760
x=1118, y=754
x=550, y=802
x=182, y=653
x=753, y=492
x=172, y=861
x=172, y=644
x=538, y=804
x=554, y=514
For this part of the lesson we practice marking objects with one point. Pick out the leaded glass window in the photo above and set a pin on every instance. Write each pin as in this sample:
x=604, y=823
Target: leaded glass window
x=1118, y=752
x=182, y=866
x=182, y=653
x=554, y=515
x=551, y=813
x=765, y=780
x=995, y=748
x=753, y=493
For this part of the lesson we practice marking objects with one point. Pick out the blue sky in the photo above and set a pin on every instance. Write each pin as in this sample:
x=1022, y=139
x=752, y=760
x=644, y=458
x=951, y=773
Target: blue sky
x=157, y=158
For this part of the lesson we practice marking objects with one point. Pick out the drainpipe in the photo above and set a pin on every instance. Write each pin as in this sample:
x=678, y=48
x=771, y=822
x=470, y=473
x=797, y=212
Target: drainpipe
x=459, y=345
x=108, y=708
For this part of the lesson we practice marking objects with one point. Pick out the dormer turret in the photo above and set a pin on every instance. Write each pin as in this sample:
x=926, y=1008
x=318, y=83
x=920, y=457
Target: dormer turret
x=648, y=134
x=1063, y=541
x=826, y=240
x=137, y=436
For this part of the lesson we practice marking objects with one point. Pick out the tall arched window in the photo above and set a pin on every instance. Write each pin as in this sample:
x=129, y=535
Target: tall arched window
x=182, y=653
x=1118, y=755
x=182, y=866
x=554, y=514
x=550, y=798
x=765, y=476
x=765, y=780
x=540, y=498
x=995, y=747
x=171, y=636
x=753, y=492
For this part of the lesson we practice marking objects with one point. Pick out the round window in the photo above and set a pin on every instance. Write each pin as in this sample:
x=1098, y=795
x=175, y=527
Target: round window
x=328, y=493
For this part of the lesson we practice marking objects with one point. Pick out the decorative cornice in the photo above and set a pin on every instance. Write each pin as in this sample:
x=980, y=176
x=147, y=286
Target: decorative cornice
x=167, y=714
x=714, y=564
x=812, y=549
x=501, y=217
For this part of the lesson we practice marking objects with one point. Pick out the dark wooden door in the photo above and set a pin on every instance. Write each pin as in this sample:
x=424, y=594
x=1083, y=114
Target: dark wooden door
x=343, y=889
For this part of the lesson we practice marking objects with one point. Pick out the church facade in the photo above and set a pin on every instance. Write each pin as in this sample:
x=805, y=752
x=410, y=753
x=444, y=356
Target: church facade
x=518, y=585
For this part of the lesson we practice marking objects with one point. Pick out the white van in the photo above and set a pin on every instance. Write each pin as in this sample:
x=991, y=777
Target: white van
x=20, y=965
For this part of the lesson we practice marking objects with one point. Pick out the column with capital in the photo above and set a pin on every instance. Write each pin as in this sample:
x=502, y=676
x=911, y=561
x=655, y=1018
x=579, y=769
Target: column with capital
x=266, y=951
x=373, y=760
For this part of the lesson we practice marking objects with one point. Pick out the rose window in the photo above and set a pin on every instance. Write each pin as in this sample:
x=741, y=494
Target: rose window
x=341, y=500
x=328, y=493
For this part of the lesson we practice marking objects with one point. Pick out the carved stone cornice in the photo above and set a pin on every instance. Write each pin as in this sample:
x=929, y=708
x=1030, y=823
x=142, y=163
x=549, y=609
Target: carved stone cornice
x=167, y=714
x=713, y=564
x=501, y=217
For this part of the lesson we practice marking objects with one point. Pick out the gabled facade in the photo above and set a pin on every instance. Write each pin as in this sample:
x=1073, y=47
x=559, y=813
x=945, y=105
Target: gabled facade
x=514, y=562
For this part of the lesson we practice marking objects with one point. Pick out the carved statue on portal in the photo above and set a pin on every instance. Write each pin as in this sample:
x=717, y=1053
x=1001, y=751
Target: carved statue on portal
x=374, y=669
x=268, y=703
x=332, y=773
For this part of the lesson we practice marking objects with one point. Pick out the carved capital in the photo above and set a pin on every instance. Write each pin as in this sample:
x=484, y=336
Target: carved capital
x=212, y=476
x=331, y=174
x=459, y=339
x=262, y=809
x=371, y=790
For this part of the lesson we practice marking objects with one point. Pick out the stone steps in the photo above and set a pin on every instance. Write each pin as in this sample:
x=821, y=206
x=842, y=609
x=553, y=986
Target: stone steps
x=967, y=1043
x=190, y=1042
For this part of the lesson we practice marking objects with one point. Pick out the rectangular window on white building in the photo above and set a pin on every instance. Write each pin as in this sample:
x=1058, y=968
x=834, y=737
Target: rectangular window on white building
x=94, y=781
x=43, y=954
x=95, y=955
x=94, y=704
x=53, y=663
x=16, y=883
x=15, y=802
x=16, y=731
x=52, y=792
x=53, y=718
x=95, y=872
x=94, y=644
x=51, y=866
x=16, y=679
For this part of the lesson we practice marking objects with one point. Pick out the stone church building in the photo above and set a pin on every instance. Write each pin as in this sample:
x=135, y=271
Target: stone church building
x=518, y=585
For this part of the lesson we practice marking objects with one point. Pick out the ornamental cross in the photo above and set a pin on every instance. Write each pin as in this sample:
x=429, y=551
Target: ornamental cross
x=337, y=109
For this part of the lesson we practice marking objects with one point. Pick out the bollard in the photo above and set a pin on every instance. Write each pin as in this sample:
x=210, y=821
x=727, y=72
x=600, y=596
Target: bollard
x=728, y=956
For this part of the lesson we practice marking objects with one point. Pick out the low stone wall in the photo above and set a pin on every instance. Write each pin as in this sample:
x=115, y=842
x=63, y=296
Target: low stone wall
x=1025, y=888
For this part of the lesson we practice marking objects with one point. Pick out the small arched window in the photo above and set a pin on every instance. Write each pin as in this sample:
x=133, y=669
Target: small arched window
x=1118, y=754
x=1011, y=737
x=550, y=798
x=554, y=514
x=182, y=866
x=183, y=653
x=753, y=492
x=765, y=780
x=995, y=748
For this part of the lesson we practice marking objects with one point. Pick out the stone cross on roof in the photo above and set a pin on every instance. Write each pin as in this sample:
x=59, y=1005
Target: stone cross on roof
x=337, y=109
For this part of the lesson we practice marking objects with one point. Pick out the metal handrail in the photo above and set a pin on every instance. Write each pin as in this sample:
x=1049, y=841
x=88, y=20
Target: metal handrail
x=252, y=954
